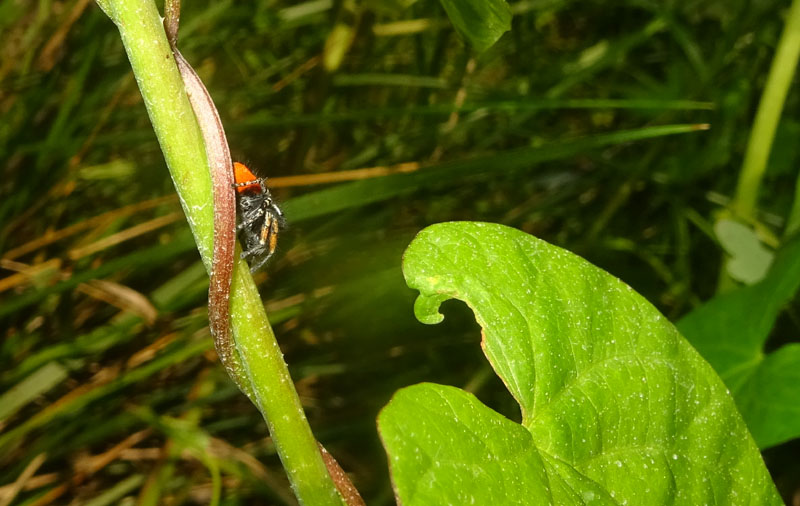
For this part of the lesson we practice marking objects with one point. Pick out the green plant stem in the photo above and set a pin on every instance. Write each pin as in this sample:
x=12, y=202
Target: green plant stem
x=174, y=123
x=766, y=122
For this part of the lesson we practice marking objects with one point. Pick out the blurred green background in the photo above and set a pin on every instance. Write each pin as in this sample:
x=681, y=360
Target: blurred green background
x=110, y=386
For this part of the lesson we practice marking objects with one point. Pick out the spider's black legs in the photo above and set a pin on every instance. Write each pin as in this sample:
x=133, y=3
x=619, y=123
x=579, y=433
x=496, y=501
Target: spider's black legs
x=260, y=219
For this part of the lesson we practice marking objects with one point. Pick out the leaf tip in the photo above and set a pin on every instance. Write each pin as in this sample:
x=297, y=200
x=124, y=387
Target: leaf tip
x=426, y=308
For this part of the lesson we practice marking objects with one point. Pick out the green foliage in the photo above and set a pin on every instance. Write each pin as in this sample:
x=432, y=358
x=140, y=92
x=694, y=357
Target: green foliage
x=731, y=332
x=617, y=408
x=36, y=384
x=481, y=22
x=555, y=130
x=749, y=260
x=446, y=447
x=776, y=88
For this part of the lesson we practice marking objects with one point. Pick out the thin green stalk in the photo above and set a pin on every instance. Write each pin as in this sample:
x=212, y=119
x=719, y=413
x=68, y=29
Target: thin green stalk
x=766, y=122
x=174, y=123
x=793, y=222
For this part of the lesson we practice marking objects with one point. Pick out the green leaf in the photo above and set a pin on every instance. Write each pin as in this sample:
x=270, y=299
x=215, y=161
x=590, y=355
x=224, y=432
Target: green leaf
x=617, y=408
x=476, y=438
x=730, y=332
x=481, y=22
x=41, y=381
x=750, y=260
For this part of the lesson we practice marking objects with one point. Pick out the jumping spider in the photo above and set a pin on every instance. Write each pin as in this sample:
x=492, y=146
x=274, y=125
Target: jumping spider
x=260, y=218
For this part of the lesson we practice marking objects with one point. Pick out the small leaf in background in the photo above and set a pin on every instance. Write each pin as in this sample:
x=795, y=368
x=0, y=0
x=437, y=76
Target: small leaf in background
x=750, y=260
x=36, y=384
x=480, y=22
x=617, y=408
x=341, y=37
x=115, y=169
x=730, y=331
x=336, y=46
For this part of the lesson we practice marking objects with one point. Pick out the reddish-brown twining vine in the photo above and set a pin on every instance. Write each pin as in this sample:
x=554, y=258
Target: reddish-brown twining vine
x=221, y=165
